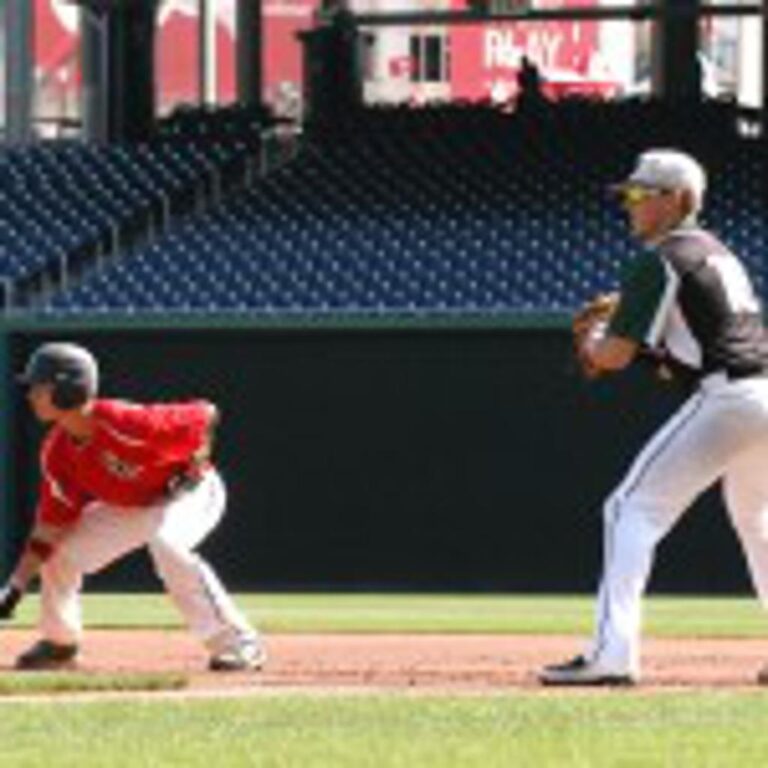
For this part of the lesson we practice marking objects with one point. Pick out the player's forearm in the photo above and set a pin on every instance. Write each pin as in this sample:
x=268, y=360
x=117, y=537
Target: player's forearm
x=12, y=593
x=25, y=571
x=39, y=547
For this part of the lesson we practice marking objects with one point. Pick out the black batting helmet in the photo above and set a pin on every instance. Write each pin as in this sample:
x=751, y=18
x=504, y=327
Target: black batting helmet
x=71, y=369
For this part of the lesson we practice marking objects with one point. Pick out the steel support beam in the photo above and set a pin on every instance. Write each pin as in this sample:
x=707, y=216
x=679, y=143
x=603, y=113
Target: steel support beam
x=94, y=36
x=601, y=13
x=19, y=68
x=677, y=70
x=208, y=53
x=250, y=70
x=764, y=120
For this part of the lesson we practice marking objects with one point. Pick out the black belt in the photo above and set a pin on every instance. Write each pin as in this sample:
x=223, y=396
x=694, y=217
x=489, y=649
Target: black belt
x=753, y=374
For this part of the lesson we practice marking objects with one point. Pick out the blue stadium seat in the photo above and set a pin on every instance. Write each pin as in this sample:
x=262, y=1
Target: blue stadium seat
x=445, y=209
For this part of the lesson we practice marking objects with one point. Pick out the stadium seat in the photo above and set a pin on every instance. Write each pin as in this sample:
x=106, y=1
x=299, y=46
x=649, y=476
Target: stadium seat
x=442, y=209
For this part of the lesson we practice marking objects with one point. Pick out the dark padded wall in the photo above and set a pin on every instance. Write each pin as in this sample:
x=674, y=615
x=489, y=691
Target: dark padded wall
x=447, y=460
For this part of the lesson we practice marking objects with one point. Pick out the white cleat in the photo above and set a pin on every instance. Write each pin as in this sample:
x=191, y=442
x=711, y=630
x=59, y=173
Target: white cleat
x=248, y=655
x=581, y=671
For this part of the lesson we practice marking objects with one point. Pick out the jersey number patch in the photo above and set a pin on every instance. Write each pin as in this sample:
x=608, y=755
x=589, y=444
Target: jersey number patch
x=118, y=467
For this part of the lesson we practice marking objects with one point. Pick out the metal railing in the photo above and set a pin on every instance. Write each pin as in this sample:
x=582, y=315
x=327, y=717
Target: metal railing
x=279, y=145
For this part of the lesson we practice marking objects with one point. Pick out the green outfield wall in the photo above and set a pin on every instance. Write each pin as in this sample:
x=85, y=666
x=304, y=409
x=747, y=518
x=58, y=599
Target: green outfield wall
x=390, y=455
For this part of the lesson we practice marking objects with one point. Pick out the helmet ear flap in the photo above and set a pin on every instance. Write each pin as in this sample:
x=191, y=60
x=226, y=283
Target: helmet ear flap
x=67, y=395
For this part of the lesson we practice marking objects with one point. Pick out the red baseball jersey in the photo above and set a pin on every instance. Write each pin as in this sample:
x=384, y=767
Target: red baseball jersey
x=133, y=453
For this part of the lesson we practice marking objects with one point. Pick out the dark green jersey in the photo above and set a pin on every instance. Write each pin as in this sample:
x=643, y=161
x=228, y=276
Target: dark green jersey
x=693, y=301
x=643, y=286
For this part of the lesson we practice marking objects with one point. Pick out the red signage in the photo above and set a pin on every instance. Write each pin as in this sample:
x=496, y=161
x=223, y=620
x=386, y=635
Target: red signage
x=58, y=41
x=485, y=58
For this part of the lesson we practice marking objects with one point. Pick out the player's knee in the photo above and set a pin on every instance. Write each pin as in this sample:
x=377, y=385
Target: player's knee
x=169, y=560
x=612, y=507
x=61, y=567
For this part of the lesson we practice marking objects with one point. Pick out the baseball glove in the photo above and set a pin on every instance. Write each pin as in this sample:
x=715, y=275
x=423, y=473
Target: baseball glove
x=585, y=322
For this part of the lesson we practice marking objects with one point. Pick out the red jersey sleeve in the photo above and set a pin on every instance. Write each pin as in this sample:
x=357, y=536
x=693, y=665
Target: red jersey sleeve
x=61, y=500
x=174, y=430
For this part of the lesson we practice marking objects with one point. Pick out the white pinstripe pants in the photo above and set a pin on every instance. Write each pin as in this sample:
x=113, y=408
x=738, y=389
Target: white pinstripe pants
x=721, y=432
x=171, y=530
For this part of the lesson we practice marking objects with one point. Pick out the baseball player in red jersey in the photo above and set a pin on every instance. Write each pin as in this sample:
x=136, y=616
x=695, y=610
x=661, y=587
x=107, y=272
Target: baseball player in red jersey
x=116, y=476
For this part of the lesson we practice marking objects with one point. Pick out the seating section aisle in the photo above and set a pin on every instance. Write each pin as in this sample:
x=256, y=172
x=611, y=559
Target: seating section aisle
x=66, y=203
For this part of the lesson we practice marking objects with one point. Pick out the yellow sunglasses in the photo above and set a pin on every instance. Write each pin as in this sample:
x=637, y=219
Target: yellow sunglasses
x=632, y=195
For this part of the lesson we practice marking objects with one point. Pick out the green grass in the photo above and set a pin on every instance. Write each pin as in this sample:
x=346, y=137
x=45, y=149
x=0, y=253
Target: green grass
x=25, y=684
x=700, y=731
x=606, y=729
x=518, y=614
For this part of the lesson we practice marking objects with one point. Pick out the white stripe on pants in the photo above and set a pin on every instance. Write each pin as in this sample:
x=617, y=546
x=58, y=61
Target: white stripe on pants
x=720, y=432
x=171, y=530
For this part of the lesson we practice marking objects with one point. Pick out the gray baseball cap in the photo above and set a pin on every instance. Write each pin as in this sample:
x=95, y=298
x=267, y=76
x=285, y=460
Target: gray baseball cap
x=60, y=362
x=667, y=169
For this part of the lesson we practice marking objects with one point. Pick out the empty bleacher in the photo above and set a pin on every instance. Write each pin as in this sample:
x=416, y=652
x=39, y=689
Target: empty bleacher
x=66, y=204
x=443, y=210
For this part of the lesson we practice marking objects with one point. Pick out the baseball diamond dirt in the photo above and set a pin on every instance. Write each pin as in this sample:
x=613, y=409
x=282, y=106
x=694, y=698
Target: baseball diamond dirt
x=427, y=663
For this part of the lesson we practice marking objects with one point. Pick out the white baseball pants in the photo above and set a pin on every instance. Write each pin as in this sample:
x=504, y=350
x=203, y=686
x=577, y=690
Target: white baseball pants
x=721, y=432
x=171, y=530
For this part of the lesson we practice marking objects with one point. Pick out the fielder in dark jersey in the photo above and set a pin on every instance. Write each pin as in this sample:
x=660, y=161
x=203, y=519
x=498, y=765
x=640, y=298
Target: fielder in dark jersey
x=690, y=305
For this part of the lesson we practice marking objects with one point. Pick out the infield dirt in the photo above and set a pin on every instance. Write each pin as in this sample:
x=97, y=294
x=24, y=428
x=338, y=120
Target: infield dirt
x=418, y=663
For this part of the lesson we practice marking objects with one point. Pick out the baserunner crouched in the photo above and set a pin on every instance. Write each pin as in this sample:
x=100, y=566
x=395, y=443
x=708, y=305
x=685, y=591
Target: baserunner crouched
x=117, y=476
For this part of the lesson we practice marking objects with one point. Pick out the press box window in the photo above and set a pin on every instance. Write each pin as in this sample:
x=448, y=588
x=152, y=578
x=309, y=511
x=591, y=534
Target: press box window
x=429, y=57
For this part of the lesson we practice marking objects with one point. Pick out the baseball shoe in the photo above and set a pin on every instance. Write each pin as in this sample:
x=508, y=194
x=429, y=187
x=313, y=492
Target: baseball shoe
x=248, y=655
x=46, y=655
x=581, y=671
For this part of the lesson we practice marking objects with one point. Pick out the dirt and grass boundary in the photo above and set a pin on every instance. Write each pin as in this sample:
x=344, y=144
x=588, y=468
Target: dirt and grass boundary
x=138, y=661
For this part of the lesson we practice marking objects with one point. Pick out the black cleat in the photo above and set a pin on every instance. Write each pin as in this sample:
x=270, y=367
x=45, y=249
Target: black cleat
x=581, y=671
x=45, y=655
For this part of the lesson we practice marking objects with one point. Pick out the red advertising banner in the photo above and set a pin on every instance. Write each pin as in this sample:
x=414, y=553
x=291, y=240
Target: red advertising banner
x=56, y=39
x=57, y=44
x=485, y=58
x=283, y=65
